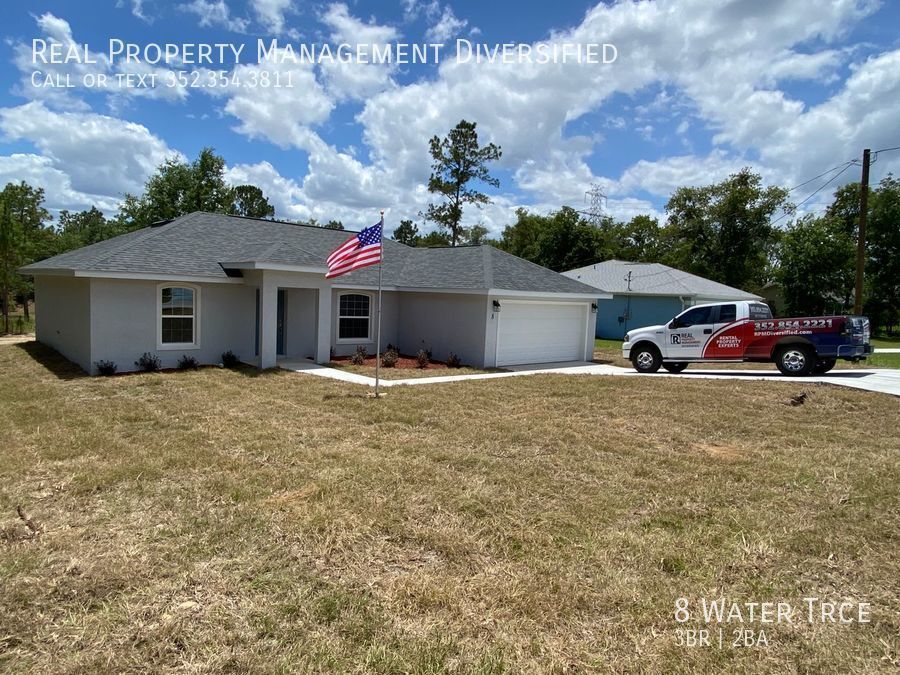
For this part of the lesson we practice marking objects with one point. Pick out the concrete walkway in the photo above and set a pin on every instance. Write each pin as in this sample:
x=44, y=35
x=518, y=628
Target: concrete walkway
x=882, y=380
x=890, y=350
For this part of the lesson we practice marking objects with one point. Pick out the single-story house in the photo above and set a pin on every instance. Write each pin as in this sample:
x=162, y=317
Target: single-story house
x=203, y=284
x=647, y=294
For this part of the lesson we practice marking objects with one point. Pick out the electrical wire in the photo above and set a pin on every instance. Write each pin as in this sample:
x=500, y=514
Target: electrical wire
x=818, y=190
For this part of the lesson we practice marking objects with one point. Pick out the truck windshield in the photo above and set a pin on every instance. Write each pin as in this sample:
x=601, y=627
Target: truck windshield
x=759, y=310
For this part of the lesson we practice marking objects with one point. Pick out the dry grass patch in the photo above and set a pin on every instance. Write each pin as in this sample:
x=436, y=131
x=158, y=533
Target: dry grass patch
x=233, y=521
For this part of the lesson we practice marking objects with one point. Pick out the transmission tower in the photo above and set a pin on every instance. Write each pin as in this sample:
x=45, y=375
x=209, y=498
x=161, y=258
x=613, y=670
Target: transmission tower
x=596, y=202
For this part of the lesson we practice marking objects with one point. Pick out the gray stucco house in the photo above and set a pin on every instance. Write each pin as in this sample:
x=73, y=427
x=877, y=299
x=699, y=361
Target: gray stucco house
x=204, y=283
x=647, y=294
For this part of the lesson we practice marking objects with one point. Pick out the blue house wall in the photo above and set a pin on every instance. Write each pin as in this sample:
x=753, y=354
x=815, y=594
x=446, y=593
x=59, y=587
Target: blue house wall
x=641, y=311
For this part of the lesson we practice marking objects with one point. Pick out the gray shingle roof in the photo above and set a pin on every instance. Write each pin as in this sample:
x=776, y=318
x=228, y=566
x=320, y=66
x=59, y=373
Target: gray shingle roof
x=198, y=243
x=653, y=279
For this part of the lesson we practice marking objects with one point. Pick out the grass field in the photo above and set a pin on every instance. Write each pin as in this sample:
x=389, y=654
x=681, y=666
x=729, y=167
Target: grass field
x=610, y=351
x=407, y=373
x=232, y=521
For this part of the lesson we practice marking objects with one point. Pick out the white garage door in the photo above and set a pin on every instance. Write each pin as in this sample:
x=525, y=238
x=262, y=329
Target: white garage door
x=540, y=332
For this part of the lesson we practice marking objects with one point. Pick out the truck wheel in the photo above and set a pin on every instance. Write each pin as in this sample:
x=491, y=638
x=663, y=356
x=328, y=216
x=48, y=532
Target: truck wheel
x=646, y=358
x=675, y=367
x=795, y=360
x=823, y=366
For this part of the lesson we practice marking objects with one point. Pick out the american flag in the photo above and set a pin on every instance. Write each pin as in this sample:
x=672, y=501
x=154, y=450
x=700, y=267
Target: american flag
x=360, y=250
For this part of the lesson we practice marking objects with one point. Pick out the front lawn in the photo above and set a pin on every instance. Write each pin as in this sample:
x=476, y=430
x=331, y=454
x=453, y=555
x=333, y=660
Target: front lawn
x=231, y=521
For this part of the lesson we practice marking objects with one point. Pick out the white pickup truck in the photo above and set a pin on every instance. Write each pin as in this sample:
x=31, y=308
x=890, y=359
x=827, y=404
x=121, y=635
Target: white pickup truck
x=746, y=331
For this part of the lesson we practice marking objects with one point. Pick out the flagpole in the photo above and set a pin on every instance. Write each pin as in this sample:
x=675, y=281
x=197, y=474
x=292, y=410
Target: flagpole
x=378, y=336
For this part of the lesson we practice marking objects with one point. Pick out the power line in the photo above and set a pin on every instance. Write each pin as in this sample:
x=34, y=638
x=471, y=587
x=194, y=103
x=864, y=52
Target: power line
x=818, y=190
x=824, y=173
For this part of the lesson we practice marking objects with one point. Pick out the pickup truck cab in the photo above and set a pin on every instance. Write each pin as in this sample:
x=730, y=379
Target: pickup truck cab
x=746, y=331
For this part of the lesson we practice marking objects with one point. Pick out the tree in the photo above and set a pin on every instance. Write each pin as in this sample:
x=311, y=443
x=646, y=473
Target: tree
x=433, y=239
x=249, y=201
x=406, y=233
x=82, y=228
x=457, y=160
x=333, y=225
x=476, y=235
x=177, y=188
x=723, y=231
x=883, y=252
x=24, y=238
x=817, y=266
x=638, y=240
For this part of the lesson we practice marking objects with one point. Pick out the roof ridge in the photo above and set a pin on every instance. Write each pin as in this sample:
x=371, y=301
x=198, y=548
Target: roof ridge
x=153, y=231
x=488, y=266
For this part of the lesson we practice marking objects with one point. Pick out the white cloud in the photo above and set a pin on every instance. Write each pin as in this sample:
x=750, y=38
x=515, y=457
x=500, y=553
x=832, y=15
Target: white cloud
x=284, y=114
x=215, y=13
x=271, y=13
x=100, y=155
x=137, y=9
x=356, y=80
x=447, y=27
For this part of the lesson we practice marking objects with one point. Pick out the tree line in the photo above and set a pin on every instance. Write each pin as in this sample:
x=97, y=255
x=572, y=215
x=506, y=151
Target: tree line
x=727, y=231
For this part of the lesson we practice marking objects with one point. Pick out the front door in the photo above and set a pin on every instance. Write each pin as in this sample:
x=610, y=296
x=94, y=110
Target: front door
x=686, y=334
x=280, y=338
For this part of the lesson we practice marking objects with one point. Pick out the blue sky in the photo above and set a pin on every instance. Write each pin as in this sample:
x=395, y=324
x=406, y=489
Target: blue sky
x=699, y=90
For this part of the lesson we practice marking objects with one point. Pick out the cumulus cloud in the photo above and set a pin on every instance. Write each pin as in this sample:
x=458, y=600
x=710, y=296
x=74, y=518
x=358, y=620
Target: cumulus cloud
x=447, y=27
x=215, y=13
x=86, y=153
x=355, y=80
x=271, y=13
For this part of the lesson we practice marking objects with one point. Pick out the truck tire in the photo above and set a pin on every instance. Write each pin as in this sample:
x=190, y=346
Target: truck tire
x=795, y=360
x=646, y=358
x=675, y=367
x=823, y=366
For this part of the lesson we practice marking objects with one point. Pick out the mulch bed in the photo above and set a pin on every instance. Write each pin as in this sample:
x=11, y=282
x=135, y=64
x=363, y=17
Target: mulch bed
x=403, y=363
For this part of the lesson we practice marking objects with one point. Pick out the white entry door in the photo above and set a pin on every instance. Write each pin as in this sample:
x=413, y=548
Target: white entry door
x=540, y=332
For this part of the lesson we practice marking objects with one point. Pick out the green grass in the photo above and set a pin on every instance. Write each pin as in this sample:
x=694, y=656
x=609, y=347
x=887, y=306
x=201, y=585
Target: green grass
x=409, y=373
x=886, y=342
x=235, y=521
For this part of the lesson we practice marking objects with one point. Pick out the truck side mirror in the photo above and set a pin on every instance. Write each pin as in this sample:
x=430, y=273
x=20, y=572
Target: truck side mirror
x=674, y=324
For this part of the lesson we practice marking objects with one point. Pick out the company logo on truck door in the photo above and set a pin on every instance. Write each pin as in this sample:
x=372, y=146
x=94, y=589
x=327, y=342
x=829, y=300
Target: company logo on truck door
x=684, y=339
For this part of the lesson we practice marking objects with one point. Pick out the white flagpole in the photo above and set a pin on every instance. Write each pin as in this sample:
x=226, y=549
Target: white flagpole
x=378, y=336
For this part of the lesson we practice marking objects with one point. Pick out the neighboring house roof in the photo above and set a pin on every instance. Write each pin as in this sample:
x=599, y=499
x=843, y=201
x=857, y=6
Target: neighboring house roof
x=210, y=245
x=653, y=279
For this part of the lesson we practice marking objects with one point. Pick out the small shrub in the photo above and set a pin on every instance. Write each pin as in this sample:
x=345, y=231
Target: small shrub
x=148, y=362
x=187, y=363
x=106, y=368
x=389, y=358
x=453, y=360
x=423, y=358
x=359, y=356
x=230, y=359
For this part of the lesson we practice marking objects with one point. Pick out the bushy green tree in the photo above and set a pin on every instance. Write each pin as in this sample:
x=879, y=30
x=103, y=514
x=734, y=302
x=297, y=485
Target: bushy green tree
x=816, y=268
x=406, y=233
x=249, y=201
x=724, y=231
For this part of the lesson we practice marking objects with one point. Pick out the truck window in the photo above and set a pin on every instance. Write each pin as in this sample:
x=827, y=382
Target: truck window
x=727, y=313
x=759, y=311
x=696, y=316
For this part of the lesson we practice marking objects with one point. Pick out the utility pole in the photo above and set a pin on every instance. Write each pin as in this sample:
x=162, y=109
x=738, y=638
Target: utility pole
x=861, y=234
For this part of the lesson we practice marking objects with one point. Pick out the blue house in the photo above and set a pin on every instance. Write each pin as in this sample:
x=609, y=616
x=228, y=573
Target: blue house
x=647, y=294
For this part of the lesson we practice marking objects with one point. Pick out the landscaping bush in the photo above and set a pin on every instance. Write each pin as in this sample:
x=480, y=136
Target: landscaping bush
x=453, y=360
x=187, y=363
x=230, y=359
x=148, y=362
x=423, y=358
x=106, y=368
x=389, y=358
x=359, y=356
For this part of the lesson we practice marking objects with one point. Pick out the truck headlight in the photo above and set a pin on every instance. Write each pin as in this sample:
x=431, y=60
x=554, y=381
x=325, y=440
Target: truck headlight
x=627, y=339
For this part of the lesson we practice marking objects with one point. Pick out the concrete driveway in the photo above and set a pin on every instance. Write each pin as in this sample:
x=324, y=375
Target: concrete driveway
x=881, y=380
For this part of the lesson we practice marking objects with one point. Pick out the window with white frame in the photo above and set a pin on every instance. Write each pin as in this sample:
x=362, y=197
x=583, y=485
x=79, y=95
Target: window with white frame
x=178, y=315
x=354, y=316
